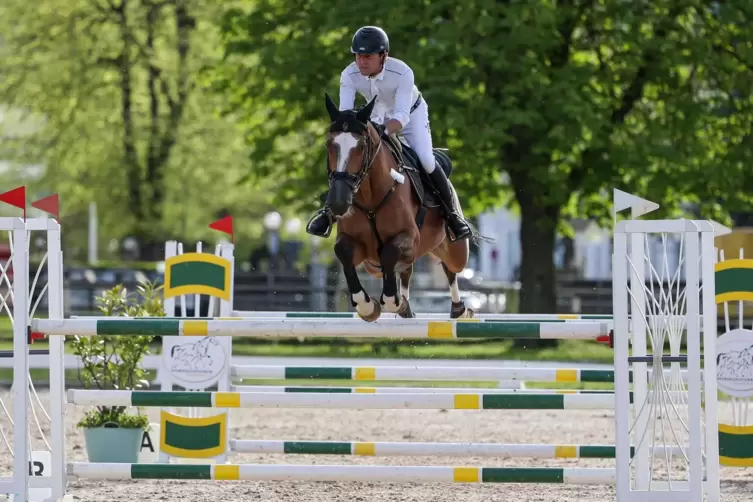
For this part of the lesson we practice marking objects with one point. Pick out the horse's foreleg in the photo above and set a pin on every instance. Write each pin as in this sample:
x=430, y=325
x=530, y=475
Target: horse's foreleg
x=405, y=277
x=400, y=247
x=345, y=250
x=458, y=309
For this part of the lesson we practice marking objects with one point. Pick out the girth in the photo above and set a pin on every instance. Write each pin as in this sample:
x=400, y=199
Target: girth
x=371, y=215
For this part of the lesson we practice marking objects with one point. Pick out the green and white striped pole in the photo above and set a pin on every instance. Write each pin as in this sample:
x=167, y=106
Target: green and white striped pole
x=351, y=328
x=429, y=401
x=334, y=473
x=415, y=373
x=416, y=449
x=251, y=314
x=404, y=390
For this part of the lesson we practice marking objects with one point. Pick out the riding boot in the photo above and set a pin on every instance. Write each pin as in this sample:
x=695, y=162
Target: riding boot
x=320, y=225
x=457, y=224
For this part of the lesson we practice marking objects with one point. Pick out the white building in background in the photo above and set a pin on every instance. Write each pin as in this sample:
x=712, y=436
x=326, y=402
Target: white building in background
x=500, y=260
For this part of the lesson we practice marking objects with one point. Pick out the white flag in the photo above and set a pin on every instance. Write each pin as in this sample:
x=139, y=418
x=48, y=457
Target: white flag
x=638, y=206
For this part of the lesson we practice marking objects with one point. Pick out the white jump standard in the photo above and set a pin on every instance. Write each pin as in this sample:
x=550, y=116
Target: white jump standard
x=650, y=467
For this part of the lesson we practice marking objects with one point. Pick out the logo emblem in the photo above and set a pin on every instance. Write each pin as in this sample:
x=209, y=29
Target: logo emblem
x=345, y=127
x=198, y=363
x=734, y=363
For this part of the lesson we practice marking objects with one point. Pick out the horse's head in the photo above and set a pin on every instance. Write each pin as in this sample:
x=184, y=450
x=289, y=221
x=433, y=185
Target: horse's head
x=352, y=147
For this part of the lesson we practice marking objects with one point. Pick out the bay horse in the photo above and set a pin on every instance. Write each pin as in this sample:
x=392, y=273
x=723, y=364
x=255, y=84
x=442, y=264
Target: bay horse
x=385, y=218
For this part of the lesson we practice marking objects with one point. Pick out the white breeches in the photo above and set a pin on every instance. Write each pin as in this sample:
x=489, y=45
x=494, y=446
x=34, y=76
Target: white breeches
x=417, y=135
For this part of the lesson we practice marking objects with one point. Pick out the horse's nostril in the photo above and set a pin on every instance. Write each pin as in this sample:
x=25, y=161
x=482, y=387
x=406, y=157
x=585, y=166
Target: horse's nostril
x=339, y=208
x=339, y=197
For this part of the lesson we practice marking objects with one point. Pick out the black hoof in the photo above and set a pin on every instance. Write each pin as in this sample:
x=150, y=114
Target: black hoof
x=405, y=311
x=459, y=310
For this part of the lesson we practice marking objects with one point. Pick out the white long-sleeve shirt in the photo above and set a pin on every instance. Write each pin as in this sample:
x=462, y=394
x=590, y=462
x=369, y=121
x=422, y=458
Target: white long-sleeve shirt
x=393, y=86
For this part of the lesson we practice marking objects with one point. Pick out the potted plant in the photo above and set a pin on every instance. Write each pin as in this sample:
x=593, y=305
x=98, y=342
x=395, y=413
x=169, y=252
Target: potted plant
x=112, y=433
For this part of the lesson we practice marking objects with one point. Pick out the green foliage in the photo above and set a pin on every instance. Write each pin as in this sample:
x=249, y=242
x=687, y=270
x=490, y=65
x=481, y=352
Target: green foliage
x=567, y=98
x=106, y=98
x=104, y=416
x=114, y=362
x=545, y=106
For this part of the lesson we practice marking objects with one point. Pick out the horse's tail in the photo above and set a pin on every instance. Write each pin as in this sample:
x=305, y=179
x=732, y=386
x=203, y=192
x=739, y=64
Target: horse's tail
x=477, y=236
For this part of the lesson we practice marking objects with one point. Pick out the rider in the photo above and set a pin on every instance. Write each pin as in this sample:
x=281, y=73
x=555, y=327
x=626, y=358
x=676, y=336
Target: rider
x=399, y=108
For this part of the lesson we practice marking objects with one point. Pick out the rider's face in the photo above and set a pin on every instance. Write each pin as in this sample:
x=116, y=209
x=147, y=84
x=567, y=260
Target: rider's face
x=369, y=64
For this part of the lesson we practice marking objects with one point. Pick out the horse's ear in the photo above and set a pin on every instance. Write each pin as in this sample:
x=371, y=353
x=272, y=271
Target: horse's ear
x=331, y=108
x=364, y=114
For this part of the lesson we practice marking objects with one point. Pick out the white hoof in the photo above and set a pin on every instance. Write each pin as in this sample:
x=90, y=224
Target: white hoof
x=390, y=304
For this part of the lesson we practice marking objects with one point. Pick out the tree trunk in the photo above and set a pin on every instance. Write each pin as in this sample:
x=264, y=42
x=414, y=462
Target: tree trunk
x=538, y=232
x=133, y=171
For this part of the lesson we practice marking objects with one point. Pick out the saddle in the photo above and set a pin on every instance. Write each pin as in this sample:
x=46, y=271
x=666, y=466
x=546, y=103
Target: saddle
x=410, y=165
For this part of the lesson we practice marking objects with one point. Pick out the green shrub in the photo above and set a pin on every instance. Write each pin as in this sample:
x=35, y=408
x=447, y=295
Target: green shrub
x=114, y=362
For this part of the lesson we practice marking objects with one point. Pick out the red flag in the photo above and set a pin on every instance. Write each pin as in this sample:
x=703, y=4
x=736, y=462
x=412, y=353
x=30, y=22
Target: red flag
x=49, y=204
x=15, y=197
x=224, y=225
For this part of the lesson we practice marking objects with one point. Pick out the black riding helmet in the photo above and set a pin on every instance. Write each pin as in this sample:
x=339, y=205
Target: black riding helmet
x=370, y=40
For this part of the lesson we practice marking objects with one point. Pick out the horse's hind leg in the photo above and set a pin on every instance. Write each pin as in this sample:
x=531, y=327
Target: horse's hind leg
x=398, y=248
x=458, y=309
x=405, y=276
x=454, y=258
x=345, y=250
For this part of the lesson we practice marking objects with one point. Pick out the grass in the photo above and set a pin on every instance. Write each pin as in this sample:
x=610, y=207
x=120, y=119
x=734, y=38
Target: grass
x=42, y=376
x=566, y=351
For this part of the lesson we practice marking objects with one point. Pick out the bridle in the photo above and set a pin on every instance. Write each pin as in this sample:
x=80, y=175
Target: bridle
x=354, y=181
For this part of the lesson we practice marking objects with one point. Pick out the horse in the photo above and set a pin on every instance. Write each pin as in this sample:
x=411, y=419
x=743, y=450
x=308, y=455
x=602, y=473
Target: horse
x=387, y=214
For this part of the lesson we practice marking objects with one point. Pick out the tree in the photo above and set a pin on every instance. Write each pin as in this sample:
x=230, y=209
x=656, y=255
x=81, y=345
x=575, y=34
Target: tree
x=545, y=105
x=108, y=97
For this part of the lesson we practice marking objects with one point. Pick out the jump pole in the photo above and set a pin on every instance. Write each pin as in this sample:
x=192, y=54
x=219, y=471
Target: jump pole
x=429, y=401
x=440, y=373
x=415, y=449
x=322, y=328
x=353, y=473
x=253, y=314
x=405, y=390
